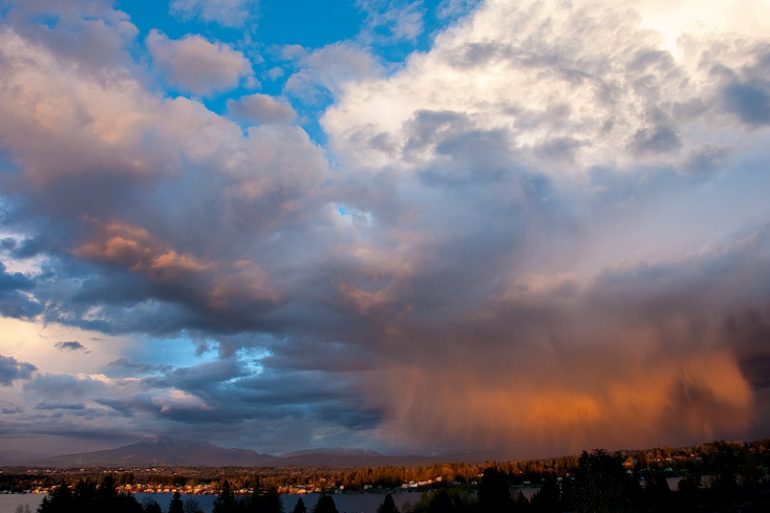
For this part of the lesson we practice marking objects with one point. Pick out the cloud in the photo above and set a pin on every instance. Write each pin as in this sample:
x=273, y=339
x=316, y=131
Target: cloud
x=389, y=21
x=261, y=109
x=121, y=364
x=193, y=64
x=64, y=387
x=91, y=32
x=454, y=8
x=12, y=370
x=326, y=70
x=228, y=13
x=60, y=406
x=8, y=408
x=16, y=299
x=70, y=345
x=525, y=236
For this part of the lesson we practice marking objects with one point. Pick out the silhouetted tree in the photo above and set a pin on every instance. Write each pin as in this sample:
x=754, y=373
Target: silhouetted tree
x=657, y=494
x=494, y=492
x=176, y=505
x=226, y=502
x=725, y=460
x=152, y=507
x=388, y=505
x=446, y=501
x=601, y=485
x=521, y=504
x=87, y=498
x=60, y=499
x=300, y=506
x=271, y=502
x=325, y=504
x=192, y=506
x=548, y=498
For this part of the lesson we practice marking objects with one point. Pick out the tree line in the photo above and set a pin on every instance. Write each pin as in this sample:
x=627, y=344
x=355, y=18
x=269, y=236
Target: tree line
x=700, y=459
x=600, y=483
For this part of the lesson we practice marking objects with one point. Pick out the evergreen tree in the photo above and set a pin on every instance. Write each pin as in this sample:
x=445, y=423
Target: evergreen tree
x=192, y=506
x=300, y=506
x=388, y=506
x=494, y=492
x=602, y=486
x=325, y=504
x=547, y=499
x=60, y=499
x=152, y=507
x=87, y=498
x=226, y=502
x=176, y=505
x=270, y=502
x=521, y=504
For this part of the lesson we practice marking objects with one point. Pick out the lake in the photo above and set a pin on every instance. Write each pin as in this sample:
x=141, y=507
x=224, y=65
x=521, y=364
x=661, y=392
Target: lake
x=346, y=502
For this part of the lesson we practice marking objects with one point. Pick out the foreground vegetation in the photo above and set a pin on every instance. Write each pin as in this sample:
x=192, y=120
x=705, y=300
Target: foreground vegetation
x=713, y=477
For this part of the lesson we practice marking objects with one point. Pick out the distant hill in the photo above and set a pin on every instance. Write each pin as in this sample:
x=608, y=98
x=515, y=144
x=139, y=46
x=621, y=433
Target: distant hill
x=340, y=457
x=11, y=457
x=160, y=451
x=167, y=451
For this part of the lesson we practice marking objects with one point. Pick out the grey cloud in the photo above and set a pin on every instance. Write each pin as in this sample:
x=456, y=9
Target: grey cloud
x=70, y=345
x=706, y=160
x=652, y=58
x=63, y=386
x=561, y=149
x=122, y=365
x=745, y=92
x=228, y=13
x=427, y=128
x=14, y=281
x=750, y=101
x=12, y=370
x=8, y=408
x=16, y=299
x=60, y=406
x=200, y=376
x=261, y=109
x=324, y=72
x=660, y=139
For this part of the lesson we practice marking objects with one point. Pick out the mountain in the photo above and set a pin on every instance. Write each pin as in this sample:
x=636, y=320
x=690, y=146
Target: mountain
x=166, y=451
x=11, y=457
x=341, y=457
x=161, y=451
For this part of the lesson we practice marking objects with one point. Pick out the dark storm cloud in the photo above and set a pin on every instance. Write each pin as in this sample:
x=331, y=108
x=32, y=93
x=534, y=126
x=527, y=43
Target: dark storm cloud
x=12, y=370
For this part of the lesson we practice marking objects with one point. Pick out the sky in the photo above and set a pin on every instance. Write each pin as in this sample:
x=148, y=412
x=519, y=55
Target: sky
x=512, y=227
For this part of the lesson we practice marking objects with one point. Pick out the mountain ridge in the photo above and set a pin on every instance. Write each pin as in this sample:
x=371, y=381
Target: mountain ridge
x=164, y=451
